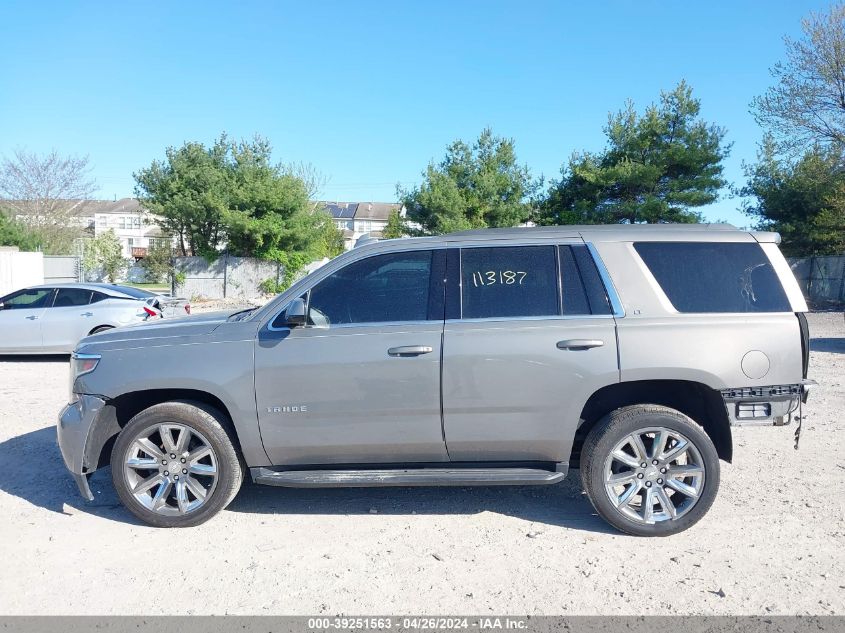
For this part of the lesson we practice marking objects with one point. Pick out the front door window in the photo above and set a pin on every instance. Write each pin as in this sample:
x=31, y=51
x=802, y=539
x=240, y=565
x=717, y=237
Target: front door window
x=390, y=288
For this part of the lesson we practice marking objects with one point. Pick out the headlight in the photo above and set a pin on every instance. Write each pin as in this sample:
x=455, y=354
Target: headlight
x=81, y=364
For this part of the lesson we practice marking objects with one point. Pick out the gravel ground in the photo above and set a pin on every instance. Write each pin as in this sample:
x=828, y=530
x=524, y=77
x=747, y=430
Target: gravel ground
x=772, y=543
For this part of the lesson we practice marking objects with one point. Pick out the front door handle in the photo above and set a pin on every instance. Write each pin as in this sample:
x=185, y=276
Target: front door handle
x=32, y=318
x=87, y=314
x=410, y=350
x=577, y=344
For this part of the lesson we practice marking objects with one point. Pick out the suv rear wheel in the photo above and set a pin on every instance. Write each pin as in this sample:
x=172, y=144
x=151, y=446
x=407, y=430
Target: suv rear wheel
x=650, y=470
x=174, y=465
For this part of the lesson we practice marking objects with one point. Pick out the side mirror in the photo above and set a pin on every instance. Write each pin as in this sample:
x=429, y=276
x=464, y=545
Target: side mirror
x=295, y=313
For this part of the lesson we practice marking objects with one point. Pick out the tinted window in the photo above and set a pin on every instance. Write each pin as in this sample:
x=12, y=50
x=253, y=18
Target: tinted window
x=715, y=277
x=68, y=297
x=583, y=290
x=98, y=296
x=135, y=293
x=574, y=295
x=384, y=288
x=512, y=281
x=28, y=299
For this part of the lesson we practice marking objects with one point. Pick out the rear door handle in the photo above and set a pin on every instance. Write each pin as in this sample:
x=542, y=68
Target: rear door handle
x=410, y=350
x=87, y=314
x=32, y=318
x=576, y=344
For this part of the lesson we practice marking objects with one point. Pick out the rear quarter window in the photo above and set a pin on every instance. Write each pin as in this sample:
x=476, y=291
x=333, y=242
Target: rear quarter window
x=714, y=277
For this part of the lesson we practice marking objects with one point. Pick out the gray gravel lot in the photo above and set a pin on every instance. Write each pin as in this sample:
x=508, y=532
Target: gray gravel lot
x=772, y=543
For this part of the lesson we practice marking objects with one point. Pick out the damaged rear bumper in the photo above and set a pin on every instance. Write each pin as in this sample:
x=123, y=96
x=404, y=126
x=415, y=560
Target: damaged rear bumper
x=765, y=406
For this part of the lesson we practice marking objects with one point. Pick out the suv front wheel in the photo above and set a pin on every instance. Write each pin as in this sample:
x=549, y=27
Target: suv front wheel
x=650, y=470
x=174, y=465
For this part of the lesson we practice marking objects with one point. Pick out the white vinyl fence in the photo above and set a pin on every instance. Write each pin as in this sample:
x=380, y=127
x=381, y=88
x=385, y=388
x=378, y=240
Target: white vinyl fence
x=19, y=270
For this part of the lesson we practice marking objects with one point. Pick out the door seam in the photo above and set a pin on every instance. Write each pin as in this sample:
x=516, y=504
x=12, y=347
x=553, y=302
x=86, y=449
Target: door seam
x=442, y=414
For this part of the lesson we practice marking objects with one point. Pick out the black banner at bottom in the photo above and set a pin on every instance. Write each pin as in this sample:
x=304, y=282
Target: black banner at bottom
x=423, y=623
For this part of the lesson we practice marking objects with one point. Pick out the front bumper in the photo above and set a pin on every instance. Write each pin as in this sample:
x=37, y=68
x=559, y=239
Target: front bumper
x=83, y=428
x=765, y=406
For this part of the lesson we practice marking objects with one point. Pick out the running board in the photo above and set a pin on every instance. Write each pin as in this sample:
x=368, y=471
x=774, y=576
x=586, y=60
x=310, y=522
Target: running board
x=405, y=477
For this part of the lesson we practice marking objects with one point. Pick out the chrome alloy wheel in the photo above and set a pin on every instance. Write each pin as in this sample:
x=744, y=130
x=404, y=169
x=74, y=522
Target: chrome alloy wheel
x=654, y=474
x=171, y=469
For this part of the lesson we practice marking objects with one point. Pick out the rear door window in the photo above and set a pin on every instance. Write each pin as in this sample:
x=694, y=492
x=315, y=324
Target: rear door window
x=715, y=276
x=69, y=297
x=509, y=281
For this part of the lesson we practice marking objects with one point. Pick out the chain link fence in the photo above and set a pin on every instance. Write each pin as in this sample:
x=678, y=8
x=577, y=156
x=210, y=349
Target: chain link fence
x=822, y=279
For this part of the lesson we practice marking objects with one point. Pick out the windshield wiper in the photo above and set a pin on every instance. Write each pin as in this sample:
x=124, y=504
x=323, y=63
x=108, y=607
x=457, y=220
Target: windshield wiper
x=241, y=314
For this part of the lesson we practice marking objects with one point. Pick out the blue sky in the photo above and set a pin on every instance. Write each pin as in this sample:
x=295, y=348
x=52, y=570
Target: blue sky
x=370, y=92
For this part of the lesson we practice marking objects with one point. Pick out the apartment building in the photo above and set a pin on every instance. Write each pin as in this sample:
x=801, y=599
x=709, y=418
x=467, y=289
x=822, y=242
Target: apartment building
x=133, y=226
x=357, y=219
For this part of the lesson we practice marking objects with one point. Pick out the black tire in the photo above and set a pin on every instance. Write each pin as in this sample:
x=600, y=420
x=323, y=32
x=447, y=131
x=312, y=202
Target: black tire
x=211, y=425
x=101, y=328
x=613, y=429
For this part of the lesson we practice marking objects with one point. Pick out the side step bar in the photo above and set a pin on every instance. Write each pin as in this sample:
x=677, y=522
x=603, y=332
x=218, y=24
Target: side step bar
x=405, y=477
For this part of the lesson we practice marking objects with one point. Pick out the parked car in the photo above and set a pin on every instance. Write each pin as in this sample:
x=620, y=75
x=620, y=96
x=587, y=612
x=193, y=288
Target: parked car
x=51, y=319
x=494, y=357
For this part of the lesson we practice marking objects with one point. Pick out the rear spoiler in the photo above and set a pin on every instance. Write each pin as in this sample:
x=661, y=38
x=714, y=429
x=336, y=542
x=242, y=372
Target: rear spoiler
x=766, y=237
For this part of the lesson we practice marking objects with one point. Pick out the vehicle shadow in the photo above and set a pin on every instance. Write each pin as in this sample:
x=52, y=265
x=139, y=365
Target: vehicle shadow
x=562, y=504
x=832, y=345
x=34, y=358
x=33, y=470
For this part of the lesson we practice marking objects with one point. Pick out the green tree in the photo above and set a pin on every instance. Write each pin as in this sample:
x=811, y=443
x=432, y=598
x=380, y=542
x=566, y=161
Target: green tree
x=233, y=195
x=158, y=263
x=474, y=186
x=188, y=192
x=104, y=255
x=330, y=241
x=806, y=106
x=803, y=200
x=656, y=168
x=395, y=226
x=14, y=233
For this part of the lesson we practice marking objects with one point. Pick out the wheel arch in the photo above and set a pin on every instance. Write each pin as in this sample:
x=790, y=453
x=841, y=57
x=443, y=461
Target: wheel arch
x=126, y=406
x=102, y=326
x=694, y=399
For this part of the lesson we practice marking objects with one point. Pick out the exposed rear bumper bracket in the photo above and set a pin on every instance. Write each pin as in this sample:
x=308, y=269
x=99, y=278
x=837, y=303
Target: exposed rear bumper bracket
x=770, y=405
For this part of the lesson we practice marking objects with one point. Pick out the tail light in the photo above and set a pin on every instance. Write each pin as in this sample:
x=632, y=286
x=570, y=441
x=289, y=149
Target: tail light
x=805, y=342
x=150, y=311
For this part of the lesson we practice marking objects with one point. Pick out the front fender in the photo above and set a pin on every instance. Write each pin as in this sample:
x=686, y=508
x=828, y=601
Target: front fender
x=223, y=369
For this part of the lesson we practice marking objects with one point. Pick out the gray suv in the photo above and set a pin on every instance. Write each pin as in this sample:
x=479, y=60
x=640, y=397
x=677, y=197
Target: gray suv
x=492, y=357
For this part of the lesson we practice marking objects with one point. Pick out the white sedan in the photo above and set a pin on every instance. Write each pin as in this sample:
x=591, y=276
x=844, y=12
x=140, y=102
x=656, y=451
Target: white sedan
x=51, y=319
